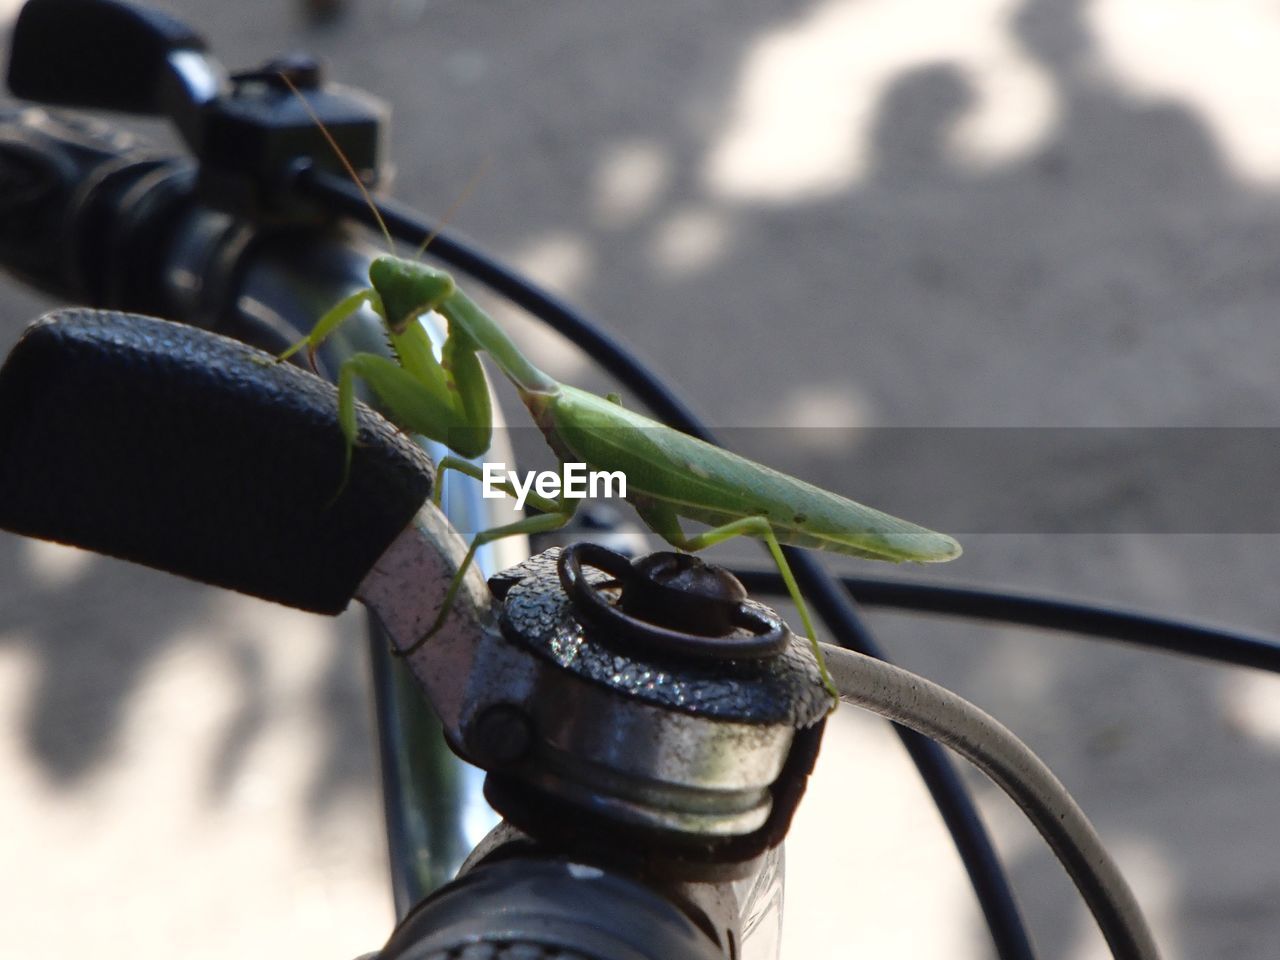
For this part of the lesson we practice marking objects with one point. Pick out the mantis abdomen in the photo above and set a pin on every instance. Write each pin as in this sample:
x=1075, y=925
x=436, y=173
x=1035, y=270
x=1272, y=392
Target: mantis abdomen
x=698, y=481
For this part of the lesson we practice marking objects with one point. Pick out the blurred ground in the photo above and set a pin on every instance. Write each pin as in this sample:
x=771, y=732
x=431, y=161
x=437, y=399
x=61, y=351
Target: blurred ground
x=891, y=213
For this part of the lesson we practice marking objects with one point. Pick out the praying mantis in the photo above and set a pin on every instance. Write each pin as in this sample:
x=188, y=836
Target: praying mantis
x=670, y=475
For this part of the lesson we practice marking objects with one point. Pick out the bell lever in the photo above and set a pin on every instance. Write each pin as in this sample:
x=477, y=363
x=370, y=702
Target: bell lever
x=113, y=56
x=250, y=134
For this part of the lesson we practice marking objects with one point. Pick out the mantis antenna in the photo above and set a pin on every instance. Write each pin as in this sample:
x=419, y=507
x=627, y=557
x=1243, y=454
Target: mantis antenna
x=346, y=164
x=449, y=214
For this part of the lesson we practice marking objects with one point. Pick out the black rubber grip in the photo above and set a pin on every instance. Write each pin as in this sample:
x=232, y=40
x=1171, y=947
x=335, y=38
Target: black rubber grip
x=193, y=453
x=536, y=909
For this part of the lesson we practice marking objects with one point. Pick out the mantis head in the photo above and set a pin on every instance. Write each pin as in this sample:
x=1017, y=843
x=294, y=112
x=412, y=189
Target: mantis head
x=408, y=289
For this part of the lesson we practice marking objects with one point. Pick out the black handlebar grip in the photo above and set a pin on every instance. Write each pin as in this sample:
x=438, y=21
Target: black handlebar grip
x=193, y=453
x=549, y=909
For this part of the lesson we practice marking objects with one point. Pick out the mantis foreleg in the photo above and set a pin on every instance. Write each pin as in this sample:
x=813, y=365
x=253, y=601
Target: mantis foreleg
x=666, y=524
x=331, y=321
x=417, y=404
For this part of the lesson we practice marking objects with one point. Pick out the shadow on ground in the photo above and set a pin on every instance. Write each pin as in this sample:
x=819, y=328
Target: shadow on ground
x=1117, y=274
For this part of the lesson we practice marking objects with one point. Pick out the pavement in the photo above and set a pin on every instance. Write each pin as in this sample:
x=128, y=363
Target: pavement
x=858, y=230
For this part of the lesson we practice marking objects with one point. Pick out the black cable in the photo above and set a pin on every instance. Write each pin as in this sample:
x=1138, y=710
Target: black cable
x=1049, y=613
x=952, y=798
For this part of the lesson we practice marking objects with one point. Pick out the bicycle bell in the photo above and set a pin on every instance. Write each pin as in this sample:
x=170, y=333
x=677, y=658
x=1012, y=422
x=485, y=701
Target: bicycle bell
x=650, y=696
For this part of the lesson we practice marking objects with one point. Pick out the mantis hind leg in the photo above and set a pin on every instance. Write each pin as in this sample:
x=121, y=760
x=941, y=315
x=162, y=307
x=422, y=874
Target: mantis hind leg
x=666, y=524
x=556, y=514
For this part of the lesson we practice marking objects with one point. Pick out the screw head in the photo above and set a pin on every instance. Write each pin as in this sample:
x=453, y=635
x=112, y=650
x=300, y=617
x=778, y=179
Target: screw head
x=502, y=734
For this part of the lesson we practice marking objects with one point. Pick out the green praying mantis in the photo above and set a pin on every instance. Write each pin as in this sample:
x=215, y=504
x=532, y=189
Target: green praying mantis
x=670, y=475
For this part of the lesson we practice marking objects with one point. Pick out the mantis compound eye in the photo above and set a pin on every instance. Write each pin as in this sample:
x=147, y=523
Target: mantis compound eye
x=671, y=604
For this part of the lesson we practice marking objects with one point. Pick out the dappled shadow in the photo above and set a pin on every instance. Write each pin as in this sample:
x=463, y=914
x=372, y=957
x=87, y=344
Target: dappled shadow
x=1114, y=273
x=93, y=637
x=347, y=764
x=240, y=734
